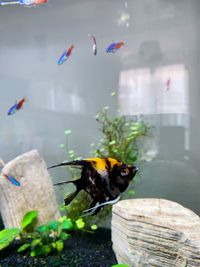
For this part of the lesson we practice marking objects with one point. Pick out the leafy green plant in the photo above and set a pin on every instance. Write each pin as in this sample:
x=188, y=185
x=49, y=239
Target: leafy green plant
x=48, y=237
x=29, y=220
x=79, y=223
x=7, y=236
x=120, y=137
x=41, y=240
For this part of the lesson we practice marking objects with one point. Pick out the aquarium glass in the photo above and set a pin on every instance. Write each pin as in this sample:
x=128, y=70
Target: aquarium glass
x=155, y=76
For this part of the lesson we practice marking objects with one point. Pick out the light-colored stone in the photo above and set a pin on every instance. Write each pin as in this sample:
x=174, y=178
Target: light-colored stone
x=155, y=233
x=35, y=193
x=1, y=163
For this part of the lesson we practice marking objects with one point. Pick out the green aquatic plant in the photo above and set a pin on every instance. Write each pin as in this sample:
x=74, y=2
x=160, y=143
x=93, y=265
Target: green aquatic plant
x=121, y=137
x=47, y=238
x=40, y=240
x=29, y=221
x=124, y=146
x=79, y=223
x=7, y=236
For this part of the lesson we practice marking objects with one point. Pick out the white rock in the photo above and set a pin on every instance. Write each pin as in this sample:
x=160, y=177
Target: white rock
x=35, y=193
x=155, y=233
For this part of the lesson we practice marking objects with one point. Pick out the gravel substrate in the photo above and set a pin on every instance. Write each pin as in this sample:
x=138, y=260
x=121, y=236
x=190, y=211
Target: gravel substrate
x=81, y=250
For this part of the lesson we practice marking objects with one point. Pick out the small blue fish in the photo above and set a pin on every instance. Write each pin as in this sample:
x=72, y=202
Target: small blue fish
x=62, y=58
x=114, y=47
x=13, y=109
x=111, y=48
x=12, y=180
x=66, y=54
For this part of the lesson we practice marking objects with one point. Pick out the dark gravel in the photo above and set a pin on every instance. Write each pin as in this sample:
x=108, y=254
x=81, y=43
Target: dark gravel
x=81, y=250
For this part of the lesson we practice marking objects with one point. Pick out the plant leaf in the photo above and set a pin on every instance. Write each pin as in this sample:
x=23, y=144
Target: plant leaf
x=29, y=219
x=59, y=245
x=43, y=229
x=36, y=251
x=35, y=243
x=23, y=247
x=64, y=236
x=46, y=250
x=67, y=224
x=53, y=225
x=94, y=227
x=7, y=236
x=80, y=223
x=53, y=244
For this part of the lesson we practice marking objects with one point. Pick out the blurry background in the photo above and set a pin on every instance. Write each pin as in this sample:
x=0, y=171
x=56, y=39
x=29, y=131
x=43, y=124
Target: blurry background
x=156, y=77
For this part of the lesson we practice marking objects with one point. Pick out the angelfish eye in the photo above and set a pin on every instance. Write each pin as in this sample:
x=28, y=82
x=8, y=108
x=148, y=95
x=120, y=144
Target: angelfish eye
x=124, y=172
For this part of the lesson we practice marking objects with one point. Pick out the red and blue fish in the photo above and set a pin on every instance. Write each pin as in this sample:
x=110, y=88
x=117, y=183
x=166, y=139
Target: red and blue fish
x=17, y=106
x=28, y=3
x=12, y=180
x=13, y=109
x=112, y=48
x=66, y=54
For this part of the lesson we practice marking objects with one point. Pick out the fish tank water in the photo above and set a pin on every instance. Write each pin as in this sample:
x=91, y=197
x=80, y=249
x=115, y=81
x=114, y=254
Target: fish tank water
x=154, y=77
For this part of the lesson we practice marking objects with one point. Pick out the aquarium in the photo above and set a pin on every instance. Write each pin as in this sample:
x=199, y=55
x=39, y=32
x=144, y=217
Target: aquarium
x=90, y=79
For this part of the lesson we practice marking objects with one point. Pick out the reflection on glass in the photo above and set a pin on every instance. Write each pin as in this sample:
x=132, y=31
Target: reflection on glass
x=124, y=18
x=163, y=91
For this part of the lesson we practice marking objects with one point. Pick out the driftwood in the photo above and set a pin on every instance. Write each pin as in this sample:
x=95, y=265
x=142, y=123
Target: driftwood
x=155, y=233
x=35, y=192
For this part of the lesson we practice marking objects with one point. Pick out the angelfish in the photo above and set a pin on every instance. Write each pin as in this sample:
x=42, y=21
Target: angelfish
x=104, y=179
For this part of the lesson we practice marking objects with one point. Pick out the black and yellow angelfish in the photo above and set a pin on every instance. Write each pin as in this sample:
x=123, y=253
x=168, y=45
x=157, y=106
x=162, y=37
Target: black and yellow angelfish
x=104, y=179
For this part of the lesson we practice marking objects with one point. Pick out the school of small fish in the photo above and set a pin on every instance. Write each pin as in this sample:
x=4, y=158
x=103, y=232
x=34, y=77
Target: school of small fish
x=112, y=48
x=104, y=179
